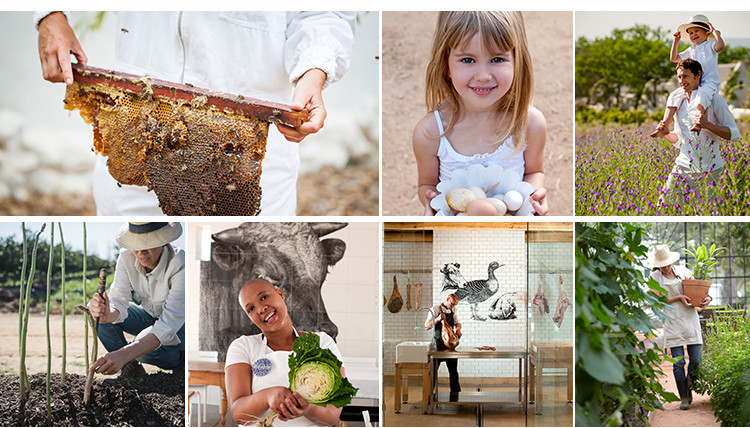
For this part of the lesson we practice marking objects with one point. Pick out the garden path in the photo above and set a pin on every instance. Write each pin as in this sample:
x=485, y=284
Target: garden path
x=700, y=414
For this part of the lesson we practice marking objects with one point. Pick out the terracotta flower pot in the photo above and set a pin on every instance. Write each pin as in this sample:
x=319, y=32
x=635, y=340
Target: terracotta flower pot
x=696, y=290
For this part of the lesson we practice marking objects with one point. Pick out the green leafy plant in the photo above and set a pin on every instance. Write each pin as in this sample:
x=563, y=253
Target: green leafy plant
x=315, y=373
x=704, y=260
x=615, y=374
x=724, y=372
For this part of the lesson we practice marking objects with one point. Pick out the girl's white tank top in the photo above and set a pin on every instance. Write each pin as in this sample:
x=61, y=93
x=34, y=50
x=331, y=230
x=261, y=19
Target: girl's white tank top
x=505, y=155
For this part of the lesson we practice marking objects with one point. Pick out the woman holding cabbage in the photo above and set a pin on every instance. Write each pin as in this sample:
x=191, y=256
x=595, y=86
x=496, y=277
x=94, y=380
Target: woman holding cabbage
x=272, y=374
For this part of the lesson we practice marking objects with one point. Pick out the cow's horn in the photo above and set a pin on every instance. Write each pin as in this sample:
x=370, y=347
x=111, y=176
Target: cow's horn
x=323, y=229
x=228, y=236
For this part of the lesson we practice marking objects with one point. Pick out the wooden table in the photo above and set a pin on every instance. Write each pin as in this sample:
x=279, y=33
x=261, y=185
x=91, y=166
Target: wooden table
x=548, y=355
x=210, y=373
x=402, y=388
x=480, y=397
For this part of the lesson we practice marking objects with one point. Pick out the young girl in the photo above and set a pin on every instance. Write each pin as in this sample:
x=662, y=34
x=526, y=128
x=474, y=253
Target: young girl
x=707, y=43
x=479, y=89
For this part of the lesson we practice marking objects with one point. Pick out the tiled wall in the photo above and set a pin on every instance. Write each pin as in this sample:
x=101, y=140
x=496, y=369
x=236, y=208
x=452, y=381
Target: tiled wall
x=474, y=251
x=551, y=260
x=411, y=263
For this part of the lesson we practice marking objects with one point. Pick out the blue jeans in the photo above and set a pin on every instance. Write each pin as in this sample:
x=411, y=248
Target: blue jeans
x=165, y=357
x=694, y=352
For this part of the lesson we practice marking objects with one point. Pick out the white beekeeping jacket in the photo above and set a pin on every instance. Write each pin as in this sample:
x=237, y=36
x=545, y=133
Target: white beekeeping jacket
x=255, y=54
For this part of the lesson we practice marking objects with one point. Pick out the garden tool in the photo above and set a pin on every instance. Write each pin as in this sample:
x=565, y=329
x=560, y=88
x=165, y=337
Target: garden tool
x=199, y=150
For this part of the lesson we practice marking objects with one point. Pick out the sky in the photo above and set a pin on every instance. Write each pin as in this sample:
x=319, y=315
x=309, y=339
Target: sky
x=100, y=236
x=600, y=24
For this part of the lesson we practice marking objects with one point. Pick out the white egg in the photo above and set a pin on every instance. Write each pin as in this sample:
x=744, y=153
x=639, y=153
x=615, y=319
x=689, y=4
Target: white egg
x=481, y=207
x=478, y=192
x=513, y=200
x=459, y=198
x=499, y=205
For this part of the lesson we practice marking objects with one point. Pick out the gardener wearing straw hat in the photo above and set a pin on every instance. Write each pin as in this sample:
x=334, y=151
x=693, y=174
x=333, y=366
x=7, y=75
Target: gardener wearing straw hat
x=682, y=329
x=153, y=269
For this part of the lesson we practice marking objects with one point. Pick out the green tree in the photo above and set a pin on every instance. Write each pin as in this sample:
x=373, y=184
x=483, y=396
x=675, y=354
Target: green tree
x=731, y=85
x=624, y=69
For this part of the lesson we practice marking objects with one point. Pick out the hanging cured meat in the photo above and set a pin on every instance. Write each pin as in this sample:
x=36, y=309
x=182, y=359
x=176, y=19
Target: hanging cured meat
x=450, y=339
x=408, y=297
x=540, y=300
x=417, y=296
x=562, y=304
x=396, y=301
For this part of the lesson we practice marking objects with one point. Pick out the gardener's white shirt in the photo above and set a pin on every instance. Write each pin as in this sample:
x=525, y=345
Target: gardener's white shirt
x=270, y=368
x=683, y=326
x=256, y=54
x=702, y=155
x=162, y=291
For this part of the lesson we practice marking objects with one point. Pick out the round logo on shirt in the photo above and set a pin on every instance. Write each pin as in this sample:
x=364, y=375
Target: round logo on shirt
x=261, y=367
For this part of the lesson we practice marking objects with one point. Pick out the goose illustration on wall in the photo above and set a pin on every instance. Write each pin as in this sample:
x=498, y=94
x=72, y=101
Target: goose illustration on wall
x=473, y=292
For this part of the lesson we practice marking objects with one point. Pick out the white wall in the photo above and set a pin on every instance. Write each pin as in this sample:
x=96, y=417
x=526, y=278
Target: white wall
x=474, y=251
x=412, y=258
x=350, y=291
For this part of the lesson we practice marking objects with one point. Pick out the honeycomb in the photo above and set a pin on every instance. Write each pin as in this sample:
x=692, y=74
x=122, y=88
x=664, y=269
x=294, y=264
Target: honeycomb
x=198, y=160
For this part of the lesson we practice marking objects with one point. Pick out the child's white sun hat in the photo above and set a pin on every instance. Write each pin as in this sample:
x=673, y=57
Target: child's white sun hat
x=700, y=21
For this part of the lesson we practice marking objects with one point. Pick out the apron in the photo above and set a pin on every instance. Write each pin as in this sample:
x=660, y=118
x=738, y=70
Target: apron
x=683, y=327
x=272, y=369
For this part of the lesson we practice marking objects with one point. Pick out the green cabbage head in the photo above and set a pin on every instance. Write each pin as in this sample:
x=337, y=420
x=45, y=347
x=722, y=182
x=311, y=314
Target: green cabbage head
x=315, y=373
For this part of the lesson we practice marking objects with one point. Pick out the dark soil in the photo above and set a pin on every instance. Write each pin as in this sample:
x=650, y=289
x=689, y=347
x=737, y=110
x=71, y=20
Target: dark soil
x=156, y=400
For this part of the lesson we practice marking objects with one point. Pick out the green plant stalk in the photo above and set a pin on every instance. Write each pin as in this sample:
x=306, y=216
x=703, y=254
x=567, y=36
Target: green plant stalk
x=25, y=330
x=62, y=286
x=83, y=284
x=49, y=338
x=20, y=296
x=89, y=373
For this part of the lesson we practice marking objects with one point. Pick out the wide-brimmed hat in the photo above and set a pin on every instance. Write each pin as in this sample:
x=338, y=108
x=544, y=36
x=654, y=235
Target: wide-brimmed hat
x=143, y=236
x=700, y=21
x=662, y=256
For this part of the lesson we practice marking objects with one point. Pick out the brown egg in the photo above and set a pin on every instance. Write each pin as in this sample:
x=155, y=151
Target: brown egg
x=481, y=207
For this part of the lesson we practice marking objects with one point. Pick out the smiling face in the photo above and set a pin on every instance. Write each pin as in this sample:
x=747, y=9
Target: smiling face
x=481, y=75
x=688, y=81
x=697, y=35
x=264, y=305
x=148, y=258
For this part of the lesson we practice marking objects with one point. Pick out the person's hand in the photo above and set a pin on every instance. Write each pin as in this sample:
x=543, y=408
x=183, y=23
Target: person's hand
x=711, y=28
x=429, y=195
x=458, y=333
x=706, y=301
x=685, y=301
x=283, y=401
x=56, y=42
x=293, y=407
x=677, y=35
x=99, y=306
x=539, y=201
x=308, y=94
x=109, y=364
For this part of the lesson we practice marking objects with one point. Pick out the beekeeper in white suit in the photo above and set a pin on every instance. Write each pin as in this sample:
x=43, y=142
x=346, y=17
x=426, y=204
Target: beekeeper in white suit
x=273, y=56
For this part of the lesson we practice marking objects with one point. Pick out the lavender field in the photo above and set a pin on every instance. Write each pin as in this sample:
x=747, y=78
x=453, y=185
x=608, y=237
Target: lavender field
x=623, y=171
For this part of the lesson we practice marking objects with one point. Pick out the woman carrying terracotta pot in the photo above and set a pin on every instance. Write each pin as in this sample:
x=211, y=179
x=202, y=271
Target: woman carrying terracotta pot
x=683, y=328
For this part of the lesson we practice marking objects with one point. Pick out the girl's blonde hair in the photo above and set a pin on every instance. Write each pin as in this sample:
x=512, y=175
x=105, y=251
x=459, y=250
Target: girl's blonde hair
x=504, y=30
